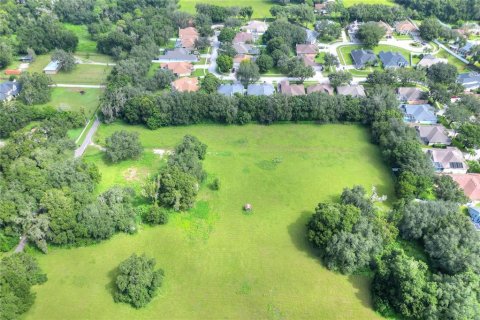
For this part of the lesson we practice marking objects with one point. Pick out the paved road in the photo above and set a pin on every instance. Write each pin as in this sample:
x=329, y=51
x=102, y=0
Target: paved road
x=86, y=86
x=88, y=139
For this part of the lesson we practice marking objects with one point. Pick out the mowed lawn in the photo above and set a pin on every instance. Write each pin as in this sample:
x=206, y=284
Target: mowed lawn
x=82, y=74
x=261, y=8
x=81, y=100
x=219, y=262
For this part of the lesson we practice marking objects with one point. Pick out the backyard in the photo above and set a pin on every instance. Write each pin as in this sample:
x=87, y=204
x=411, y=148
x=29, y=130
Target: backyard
x=81, y=100
x=220, y=262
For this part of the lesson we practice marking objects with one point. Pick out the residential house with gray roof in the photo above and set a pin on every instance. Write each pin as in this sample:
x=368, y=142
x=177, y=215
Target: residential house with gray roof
x=392, y=60
x=448, y=160
x=230, y=89
x=245, y=48
x=9, y=90
x=177, y=55
x=260, y=89
x=419, y=113
x=470, y=81
x=433, y=135
x=362, y=58
x=353, y=90
x=411, y=95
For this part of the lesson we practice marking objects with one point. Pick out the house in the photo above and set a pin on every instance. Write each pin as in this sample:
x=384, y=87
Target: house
x=474, y=213
x=309, y=61
x=411, y=95
x=9, y=90
x=230, y=89
x=320, y=8
x=392, y=60
x=188, y=36
x=321, y=87
x=465, y=50
x=263, y=89
x=448, y=160
x=429, y=60
x=243, y=37
x=288, y=89
x=312, y=36
x=52, y=67
x=470, y=81
x=256, y=27
x=470, y=184
x=388, y=29
x=306, y=49
x=185, y=85
x=26, y=59
x=363, y=57
x=353, y=90
x=245, y=48
x=239, y=58
x=177, y=55
x=433, y=135
x=13, y=72
x=419, y=113
x=180, y=69
x=405, y=27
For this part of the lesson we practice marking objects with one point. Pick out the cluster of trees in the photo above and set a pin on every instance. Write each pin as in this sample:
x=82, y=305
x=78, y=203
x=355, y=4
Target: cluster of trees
x=301, y=14
x=350, y=234
x=445, y=288
x=176, y=186
x=123, y=145
x=18, y=273
x=377, y=12
x=47, y=196
x=328, y=30
x=35, y=88
x=370, y=34
x=16, y=115
x=219, y=14
x=137, y=281
x=447, y=10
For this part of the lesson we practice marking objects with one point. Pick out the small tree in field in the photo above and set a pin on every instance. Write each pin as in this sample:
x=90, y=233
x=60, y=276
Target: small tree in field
x=65, y=59
x=137, y=281
x=122, y=145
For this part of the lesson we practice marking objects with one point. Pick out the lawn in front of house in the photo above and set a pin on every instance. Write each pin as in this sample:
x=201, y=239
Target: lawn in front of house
x=88, y=74
x=461, y=67
x=261, y=8
x=220, y=262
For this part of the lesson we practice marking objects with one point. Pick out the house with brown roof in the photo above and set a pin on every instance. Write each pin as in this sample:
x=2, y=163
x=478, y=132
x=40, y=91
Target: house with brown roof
x=288, y=89
x=354, y=90
x=188, y=36
x=243, y=37
x=448, y=160
x=469, y=183
x=256, y=27
x=388, y=28
x=411, y=95
x=321, y=87
x=180, y=69
x=306, y=50
x=433, y=135
x=185, y=85
x=405, y=27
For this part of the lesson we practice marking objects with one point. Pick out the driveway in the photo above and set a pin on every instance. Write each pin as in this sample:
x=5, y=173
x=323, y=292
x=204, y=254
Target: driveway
x=88, y=139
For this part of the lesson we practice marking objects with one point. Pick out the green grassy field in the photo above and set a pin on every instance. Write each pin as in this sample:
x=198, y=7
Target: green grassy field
x=219, y=262
x=261, y=8
x=72, y=99
x=349, y=3
x=85, y=43
x=461, y=67
x=82, y=74
x=347, y=58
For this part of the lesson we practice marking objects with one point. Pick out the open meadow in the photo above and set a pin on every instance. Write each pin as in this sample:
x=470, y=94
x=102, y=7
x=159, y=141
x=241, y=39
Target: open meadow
x=261, y=8
x=220, y=262
x=81, y=100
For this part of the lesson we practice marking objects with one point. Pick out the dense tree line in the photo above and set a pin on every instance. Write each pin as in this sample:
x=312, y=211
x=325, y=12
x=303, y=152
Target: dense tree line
x=446, y=10
x=18, y=273
x=221, y=14
x=376, y=12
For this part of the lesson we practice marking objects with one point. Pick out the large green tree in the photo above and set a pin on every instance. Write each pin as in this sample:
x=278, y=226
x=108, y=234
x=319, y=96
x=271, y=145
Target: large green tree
x=247, y=73
x=370, y=34
x=123, y=145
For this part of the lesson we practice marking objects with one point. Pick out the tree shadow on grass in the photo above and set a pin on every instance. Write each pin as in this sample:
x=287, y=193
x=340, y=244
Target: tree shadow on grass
x=112, y=275
x=298, y=234
x=362, y=285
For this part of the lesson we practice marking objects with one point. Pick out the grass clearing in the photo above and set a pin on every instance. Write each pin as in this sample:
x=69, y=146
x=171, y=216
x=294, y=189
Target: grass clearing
x=82, y=74
x=219, y=262
x=85, y=43
x=73, y=100
x=461, y=67
x=261, y=8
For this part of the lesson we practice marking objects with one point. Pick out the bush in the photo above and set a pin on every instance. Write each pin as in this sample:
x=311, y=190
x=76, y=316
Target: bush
x=156, y=215
x=137, y=281
x=215, y=184
x=123, y=145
